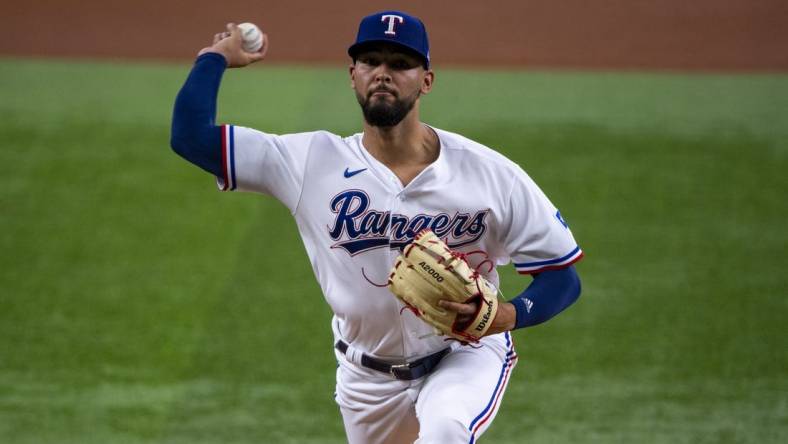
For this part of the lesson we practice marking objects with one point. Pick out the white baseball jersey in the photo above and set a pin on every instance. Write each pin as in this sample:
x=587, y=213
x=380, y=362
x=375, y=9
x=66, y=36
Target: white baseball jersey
x=354, y=215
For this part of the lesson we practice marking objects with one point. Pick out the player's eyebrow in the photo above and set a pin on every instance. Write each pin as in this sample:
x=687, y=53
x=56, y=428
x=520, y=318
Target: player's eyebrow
x=389, y=57
x=369, y=54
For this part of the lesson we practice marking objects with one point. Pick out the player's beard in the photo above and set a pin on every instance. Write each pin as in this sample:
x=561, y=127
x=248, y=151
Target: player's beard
x=384, y=113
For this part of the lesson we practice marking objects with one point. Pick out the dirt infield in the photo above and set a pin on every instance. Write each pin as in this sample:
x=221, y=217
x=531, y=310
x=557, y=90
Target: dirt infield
x=613, y=34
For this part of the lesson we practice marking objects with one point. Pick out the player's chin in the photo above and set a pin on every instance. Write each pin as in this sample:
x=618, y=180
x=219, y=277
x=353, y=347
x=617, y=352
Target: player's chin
x=382, y=114
x=385, y=113
x=380, y=106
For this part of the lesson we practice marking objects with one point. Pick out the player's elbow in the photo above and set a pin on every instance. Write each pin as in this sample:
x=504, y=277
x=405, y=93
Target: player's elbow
x=190, y=149
x=186, y=132
x=181, y=144
x=181, y=139
x=178, y=127
x=191, y=143
x=200, y=146
x=176, y=143
x=574, y=287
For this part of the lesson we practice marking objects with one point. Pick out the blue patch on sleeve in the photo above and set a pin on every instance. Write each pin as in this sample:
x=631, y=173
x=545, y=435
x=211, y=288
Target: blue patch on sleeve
x=561, y=219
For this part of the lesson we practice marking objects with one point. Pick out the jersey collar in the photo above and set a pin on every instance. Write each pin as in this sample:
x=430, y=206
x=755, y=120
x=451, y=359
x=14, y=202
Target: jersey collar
x=436, y=171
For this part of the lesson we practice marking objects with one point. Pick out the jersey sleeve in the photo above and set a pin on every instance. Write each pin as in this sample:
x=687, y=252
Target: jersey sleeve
x=265, y=163
x=537, y=238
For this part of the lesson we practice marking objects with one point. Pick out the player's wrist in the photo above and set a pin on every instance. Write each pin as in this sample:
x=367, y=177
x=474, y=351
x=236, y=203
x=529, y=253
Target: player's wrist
x=505, y=318
x=521, y=312
x=210, y=54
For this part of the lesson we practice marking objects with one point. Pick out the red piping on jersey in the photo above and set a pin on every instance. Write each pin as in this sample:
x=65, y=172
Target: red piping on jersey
x=553, y=267
x=224, y=158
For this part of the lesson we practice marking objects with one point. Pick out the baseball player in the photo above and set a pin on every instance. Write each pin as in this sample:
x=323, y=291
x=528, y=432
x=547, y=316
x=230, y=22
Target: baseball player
x=359, y=200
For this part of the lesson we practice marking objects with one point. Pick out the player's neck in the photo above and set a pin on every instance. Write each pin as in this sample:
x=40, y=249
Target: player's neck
x=409, y=143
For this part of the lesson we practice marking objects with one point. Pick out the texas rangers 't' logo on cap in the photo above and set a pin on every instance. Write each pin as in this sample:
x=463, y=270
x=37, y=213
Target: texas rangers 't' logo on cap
x=393, y=20
x=393, y=27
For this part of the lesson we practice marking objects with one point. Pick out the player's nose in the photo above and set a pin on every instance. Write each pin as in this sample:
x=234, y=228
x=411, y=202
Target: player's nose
x=382, y=73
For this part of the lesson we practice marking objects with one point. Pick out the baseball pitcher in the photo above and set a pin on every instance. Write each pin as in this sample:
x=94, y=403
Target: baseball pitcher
x=405, y=225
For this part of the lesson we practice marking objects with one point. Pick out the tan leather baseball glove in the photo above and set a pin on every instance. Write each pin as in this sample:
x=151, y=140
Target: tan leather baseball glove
x=428, y=271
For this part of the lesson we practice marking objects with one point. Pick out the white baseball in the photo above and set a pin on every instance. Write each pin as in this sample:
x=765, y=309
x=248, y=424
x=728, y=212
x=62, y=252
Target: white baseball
x=252, y=37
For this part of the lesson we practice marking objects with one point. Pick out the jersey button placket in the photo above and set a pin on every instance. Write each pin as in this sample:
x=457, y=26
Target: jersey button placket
x=395, y=207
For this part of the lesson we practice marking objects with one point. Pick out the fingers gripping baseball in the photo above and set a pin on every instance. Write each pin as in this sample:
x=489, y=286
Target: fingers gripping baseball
x=230, y=44
x=220, y=36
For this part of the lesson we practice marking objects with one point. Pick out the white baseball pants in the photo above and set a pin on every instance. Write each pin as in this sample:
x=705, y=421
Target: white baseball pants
x=456, y=403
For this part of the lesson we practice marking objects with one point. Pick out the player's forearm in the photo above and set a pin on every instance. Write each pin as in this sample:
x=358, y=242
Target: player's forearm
x=195, y=135
x=550, y=293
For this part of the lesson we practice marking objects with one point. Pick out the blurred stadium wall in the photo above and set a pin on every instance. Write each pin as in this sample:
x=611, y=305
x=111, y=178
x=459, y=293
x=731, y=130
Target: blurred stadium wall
x=718, y=35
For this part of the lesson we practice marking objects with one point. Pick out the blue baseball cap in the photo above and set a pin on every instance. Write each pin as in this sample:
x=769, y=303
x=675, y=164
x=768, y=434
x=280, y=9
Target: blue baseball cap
x=393, y=27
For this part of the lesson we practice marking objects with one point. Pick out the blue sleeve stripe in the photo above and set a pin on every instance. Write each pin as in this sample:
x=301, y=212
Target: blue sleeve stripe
x=232, y=156
x=559, y=260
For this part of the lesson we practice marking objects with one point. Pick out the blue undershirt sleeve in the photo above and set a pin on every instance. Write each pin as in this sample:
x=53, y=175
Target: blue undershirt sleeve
x=195, y=135
x=550, y=293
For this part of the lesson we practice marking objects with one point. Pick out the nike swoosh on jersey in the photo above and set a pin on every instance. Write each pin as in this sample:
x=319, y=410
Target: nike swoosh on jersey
x=349, y=174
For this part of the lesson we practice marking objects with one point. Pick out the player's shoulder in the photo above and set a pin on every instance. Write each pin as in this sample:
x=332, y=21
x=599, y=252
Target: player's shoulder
x=306, y=135
x=317, y=136
x=336, y=141
x=459, y=145
x=318, y=140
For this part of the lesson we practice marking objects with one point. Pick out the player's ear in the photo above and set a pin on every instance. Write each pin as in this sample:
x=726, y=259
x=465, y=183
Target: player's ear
x=352, y=72
x=427, y=81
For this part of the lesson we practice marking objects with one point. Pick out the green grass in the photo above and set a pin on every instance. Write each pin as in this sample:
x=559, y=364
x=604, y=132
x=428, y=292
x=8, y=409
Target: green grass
x=140, y=305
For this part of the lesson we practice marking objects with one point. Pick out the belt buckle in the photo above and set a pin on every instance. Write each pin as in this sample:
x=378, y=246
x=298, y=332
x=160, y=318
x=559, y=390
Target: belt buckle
x=396, y=368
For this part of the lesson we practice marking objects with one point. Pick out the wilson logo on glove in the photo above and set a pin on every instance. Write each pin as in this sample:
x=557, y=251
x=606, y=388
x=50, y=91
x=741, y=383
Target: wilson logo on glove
x=486, y=317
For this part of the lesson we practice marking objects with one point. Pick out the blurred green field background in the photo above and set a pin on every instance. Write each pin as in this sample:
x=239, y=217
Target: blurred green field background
x=139, y=305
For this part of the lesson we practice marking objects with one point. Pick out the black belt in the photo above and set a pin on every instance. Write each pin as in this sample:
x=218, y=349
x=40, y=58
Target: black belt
x=406, y=372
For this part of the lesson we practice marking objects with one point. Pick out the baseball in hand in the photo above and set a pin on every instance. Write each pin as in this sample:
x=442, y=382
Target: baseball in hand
x=252, y=37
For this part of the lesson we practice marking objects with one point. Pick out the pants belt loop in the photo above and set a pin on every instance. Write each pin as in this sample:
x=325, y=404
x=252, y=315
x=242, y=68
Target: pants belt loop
x=353, y=355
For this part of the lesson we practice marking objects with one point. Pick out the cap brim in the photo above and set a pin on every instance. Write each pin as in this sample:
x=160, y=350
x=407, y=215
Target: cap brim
x=357, y=48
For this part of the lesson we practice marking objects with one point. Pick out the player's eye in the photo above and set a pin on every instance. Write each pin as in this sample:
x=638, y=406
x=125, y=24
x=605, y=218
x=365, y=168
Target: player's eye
x=370, y=60
x=403, y=63
x=400, y=64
